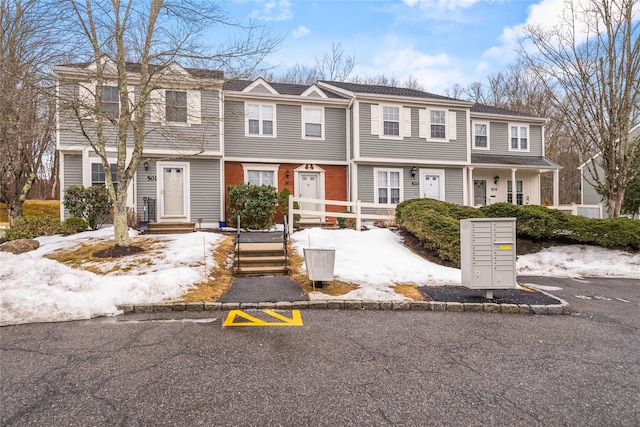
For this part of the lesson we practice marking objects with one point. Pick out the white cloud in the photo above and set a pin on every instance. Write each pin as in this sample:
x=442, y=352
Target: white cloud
x=545, y=14
x=442, y=5
x=301, y=31
x=274, y=10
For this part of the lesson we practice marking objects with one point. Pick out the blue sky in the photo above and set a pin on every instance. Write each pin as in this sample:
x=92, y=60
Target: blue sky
x=439, y=42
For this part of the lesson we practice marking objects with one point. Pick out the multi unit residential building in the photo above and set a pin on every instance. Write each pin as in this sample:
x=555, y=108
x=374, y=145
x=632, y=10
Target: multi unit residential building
x=328, y=140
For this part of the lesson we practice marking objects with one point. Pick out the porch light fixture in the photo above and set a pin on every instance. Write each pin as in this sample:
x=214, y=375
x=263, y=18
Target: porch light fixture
x=496, y=179
x=146, y=166
x=414, y=171
x=287, y=173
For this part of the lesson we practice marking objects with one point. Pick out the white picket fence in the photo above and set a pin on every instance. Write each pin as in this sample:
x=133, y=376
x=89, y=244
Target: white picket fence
x=590, y=211
x=354, y=207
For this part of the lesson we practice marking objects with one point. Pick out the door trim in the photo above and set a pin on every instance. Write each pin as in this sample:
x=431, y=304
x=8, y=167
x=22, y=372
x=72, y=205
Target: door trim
x=311, y=168
x=439, y=172
x=186, y=183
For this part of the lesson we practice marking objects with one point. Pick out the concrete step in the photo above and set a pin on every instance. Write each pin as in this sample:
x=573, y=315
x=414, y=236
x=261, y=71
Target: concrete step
x=261, y=271
x=264, y=261
x=325, y=225
x=255, y=250
x=170, y=228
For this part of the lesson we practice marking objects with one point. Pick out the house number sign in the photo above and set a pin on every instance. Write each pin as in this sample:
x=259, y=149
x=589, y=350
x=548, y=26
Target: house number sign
x=151, y=177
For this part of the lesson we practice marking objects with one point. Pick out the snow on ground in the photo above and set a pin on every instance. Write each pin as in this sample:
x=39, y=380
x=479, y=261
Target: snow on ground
x=37, y=289
x=375, y=260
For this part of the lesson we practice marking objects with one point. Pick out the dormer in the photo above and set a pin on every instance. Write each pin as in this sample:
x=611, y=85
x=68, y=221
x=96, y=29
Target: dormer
x=260, y=86
x=314, y=92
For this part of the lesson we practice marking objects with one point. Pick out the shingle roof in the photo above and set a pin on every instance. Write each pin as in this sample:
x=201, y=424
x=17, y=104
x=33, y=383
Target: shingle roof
x=513, y=160
x=488, y=109
x=134, y=67
x=281, y=88
x=387, y=90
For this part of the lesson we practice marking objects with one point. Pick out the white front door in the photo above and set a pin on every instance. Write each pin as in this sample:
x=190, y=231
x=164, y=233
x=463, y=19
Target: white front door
x=173, y=191
x=431, y=186
x=309, y=188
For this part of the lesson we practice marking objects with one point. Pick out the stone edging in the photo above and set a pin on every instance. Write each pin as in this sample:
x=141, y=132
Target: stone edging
x=562, y=308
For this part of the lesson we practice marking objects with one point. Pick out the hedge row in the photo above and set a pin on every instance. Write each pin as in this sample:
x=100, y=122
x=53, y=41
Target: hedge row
x=437, y=225
x=30, y=227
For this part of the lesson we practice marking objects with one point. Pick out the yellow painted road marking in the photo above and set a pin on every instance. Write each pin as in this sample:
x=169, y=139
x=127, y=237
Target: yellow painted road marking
x=295, y=320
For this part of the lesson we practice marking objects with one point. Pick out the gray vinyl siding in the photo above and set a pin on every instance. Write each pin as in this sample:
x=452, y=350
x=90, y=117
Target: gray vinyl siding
x=147, y=187
x=195, y=137
x=499, y=140
x=372, y=146
x=288, y=142
x=453, y=185
x=72, y=174
x=589, y=194
x=205, y=190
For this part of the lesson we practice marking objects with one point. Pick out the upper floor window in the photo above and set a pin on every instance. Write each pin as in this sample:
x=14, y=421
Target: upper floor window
x=391, y=121
x=518, y=137
x=313, y=120
x=176, y=109
x=110, y=101
x=438, y=124
x=481, y=135
x=260, y=119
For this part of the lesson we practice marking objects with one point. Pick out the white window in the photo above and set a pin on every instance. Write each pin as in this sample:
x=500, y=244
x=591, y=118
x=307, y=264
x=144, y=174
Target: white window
x=481, y=135
x=313, y=122
x=519, y=192
x=176, y=109
x=391, y=121
x=388, y=185
x=438, y=124
x=98, y=177
x=260, y=119
x=110, y=101
x=519, y=138
x=261, y=174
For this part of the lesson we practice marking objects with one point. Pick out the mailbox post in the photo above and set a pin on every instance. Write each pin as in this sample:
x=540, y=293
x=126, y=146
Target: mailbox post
x=488, y=253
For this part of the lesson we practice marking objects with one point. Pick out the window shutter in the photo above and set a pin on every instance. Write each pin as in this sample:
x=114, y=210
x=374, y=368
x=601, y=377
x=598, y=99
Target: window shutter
x=453, y=125
x=406, y=122
x=156, y=106
x=132, y=101
x=375, y=120
x=86, y=100
x=194, y=107
x=422, y=123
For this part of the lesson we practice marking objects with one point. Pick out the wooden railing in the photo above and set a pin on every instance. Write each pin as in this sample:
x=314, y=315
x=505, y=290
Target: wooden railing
x=355, y=209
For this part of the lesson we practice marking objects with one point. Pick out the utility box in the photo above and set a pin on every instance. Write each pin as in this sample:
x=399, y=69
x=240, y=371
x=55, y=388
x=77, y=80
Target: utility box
x=320, y=264
x=488, y=253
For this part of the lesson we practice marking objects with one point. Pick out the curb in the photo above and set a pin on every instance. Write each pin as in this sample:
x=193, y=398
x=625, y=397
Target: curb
x=340, y=304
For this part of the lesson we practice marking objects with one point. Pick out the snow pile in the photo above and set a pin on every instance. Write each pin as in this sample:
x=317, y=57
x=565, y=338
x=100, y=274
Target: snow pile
x=580, y=261
x=37, y=289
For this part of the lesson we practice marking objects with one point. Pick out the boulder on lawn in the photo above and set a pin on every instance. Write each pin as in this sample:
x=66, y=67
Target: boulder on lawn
x=20, y=246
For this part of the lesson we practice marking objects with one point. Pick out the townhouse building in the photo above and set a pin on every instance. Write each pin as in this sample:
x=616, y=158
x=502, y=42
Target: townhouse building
x=328, y=140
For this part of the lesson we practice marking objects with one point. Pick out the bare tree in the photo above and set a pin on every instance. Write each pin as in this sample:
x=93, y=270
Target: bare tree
x=591, y=63
x=29, y=42
x=334, y=65
x=154, y=35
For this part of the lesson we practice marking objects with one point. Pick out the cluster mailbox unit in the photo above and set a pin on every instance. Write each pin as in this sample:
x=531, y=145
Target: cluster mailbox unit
x=488, y=253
